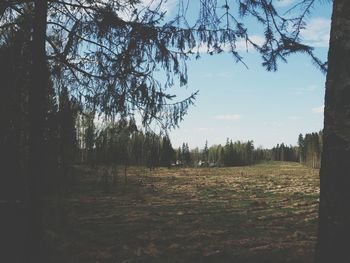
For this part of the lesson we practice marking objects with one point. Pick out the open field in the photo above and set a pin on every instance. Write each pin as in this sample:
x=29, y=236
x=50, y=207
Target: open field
x=262, y=213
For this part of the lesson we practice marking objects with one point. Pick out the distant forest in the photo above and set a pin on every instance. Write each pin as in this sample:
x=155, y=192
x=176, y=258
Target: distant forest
x=238, y=153
x=121, y=142
x=74, y=136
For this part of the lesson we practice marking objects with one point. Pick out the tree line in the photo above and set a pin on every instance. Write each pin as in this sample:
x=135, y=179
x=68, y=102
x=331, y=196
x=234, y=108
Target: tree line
x=308, y=150
x=123, y=143
x=83, y=137
x=239, y=153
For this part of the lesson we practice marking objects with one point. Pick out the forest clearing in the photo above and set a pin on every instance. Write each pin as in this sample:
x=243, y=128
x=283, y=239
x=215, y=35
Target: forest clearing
x=261, y=213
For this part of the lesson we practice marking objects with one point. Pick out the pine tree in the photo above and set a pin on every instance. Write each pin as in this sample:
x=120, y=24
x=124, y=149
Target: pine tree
x=206, y=152
x=301, y=145
x=167, y=152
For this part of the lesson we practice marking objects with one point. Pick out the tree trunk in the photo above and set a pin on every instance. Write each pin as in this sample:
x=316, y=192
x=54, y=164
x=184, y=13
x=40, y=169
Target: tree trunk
x=334, y=211
x=37, y=110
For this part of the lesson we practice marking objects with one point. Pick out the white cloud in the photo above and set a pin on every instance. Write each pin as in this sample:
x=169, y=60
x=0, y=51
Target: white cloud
x=166, y=6
x=311, y=88
x=307, y=89
x=318, y=109
x=202, y=48
x=228, y=117
x=241, y=45
x=316, y=33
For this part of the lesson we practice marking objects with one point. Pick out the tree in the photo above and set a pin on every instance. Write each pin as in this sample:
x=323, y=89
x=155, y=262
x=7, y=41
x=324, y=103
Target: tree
x=39, y=78
x=229, y=154
x=249, y=148
x=206, y=152
x=196, y=156
x=301, y=145
x=221, y=156
x=167, y=152
x=15, y=62
x=179, y=157
x=185, y=154
x=334, y=214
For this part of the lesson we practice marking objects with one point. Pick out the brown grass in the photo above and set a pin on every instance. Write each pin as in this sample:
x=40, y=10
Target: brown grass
x=261, y=213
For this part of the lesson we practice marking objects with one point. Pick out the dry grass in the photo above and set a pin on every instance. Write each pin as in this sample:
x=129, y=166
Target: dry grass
x=261, y=213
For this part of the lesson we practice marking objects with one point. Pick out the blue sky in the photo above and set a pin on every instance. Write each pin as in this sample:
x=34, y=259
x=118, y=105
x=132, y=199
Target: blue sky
x=253, y=104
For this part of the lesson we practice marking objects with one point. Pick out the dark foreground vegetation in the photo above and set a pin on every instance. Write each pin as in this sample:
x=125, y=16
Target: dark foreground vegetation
x=261, y=213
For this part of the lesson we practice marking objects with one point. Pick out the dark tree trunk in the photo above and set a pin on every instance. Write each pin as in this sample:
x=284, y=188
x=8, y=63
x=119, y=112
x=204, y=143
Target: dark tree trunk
x=37, y=111
x=334, y=214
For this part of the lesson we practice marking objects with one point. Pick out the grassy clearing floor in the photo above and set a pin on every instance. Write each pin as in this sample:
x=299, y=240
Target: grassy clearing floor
x=262, y=213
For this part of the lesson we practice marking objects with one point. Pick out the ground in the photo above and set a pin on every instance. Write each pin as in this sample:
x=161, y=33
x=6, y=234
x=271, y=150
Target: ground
x=261, y=213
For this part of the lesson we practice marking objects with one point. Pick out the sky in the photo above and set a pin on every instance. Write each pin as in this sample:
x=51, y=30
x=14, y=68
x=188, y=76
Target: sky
x=253, y=104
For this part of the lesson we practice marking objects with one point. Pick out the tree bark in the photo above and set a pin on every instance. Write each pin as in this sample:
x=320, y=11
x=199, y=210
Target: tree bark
x=334, y=211
x=37, y=111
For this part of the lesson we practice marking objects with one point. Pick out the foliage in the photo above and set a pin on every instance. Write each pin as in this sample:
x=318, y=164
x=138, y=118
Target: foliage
x=282, y=152
x=310, y=149
x=106, y=52
x=122, y=143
